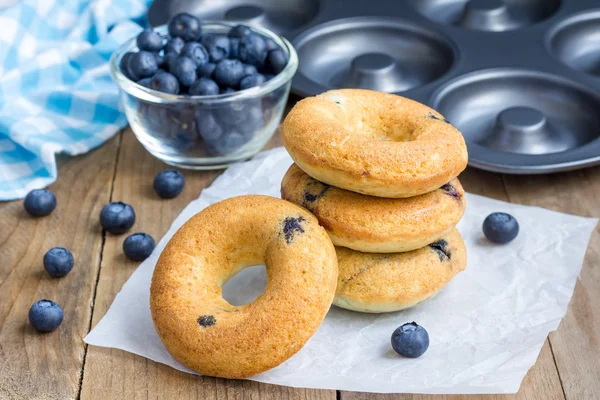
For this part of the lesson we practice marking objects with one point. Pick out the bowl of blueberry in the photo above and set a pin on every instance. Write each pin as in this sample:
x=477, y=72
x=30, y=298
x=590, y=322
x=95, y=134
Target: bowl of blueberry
x=203, y=95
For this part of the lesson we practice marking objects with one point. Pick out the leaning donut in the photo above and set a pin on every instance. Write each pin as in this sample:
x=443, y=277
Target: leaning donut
x=376, y=283
x=205, y=332
x=373, y=143
x=374, y=224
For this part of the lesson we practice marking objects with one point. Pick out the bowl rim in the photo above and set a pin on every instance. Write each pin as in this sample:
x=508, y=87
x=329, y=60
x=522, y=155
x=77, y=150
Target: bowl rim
x=154, y=96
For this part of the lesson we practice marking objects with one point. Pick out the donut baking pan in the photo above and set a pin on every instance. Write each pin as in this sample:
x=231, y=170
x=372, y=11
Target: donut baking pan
x=519, y=78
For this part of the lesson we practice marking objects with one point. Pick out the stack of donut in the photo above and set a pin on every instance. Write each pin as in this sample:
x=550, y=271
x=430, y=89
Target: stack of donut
x=379, y=173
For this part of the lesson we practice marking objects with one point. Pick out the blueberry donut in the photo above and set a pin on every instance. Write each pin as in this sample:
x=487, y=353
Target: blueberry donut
x=374, y=224
x=373, y=143
x=209, y=335
x=376, y=283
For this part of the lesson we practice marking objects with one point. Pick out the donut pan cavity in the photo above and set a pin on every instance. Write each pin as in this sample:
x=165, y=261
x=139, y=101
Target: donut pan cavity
x=519, y=78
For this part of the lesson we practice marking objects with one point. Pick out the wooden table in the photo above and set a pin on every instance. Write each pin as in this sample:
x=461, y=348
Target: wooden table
x=59, y=365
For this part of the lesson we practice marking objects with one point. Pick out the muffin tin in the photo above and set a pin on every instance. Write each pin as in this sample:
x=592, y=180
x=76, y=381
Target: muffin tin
x=519, y=78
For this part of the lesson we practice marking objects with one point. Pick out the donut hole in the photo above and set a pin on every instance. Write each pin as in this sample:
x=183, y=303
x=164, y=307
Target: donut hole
x=245, y=286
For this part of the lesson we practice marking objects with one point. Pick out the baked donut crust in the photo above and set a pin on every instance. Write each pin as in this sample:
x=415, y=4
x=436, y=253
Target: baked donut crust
x=373, y=143
x=374, y=224
x=376, y=283
x=205, y=332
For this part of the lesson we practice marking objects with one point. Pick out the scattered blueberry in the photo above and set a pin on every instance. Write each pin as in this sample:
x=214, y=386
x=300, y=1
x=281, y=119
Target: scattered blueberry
x=249, y=69
x=45, y=315
x=277, y=60
x=206, y=70
x=117, y=217
x=252, y=49
x=184, y=69
x=208, y=127
x=216, y=45
x=164, y=82
x=39, y=202
x=174, y=45
x=270, y=43
x=251, y=81
x=58, y=262
x=410, y=340
x=239, y=31
x=500, y=227
x=139, y=246
x=234, y=45
x=196, y=52
x=124, y=66
x=142, y=64
x=145, y=82
x=204, y=87
x=149, y=40
x=185, y=26
x=169, y=183
x=229, y=73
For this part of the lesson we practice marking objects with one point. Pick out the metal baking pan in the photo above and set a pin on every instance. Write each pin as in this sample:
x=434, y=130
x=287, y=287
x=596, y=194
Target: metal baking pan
x=519, y=78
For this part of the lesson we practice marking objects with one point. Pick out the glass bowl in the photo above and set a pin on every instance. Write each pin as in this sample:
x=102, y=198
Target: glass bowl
x=205, y=132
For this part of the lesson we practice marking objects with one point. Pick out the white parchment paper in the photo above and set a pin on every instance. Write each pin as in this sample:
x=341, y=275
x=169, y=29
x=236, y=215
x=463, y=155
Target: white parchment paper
x=486, y=327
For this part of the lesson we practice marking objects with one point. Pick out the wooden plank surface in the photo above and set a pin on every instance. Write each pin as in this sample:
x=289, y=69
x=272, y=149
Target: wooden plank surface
x=48, y=366
x=576, y=342
x=115, y=374
x=58, y=366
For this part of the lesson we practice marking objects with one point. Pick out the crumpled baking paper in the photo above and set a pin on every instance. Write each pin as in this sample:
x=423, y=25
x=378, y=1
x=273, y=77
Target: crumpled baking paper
x=486, y=327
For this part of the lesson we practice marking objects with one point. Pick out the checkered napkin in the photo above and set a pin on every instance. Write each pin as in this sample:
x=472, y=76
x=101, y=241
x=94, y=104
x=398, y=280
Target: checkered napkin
x=56, y=93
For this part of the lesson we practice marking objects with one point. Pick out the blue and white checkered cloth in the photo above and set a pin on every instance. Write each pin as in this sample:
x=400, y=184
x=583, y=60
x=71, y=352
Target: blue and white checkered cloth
x=56, y=93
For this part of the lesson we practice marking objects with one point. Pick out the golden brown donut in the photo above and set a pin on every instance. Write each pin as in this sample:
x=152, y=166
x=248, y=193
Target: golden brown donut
x=374, y=224
x=376, y=283
x=209, y=335
x=373, y=143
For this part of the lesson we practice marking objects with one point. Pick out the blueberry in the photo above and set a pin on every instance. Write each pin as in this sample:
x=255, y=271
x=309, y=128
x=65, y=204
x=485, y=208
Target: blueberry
x=184, y=69
x=139, y=246
x=169, y=61
x=226, y=90
x=204, y=87
x=45, y=315
x=169, y=183
x=160, y=60
x=500, y=227
x=145, y=82
x=124, y=66
x=164, y=82
x=149, y=40
x=39, y=202
x=270, y=43
x=117, y=217
x=251, y=81
x=208, y=127
x=277, y=60
x=185, y=26
x=252, y=49
x=249, y=69
x=234, y=45
x=236, y=113
x=410, y=340
x=268, y=77
x=174, y=45
x=58, y=262
x=239, y=31
x=142, y=64
x=228, y=143
x=253, y=121
x=206, y=70
x=229, y=73
x=196, y=52
x=216, y=45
